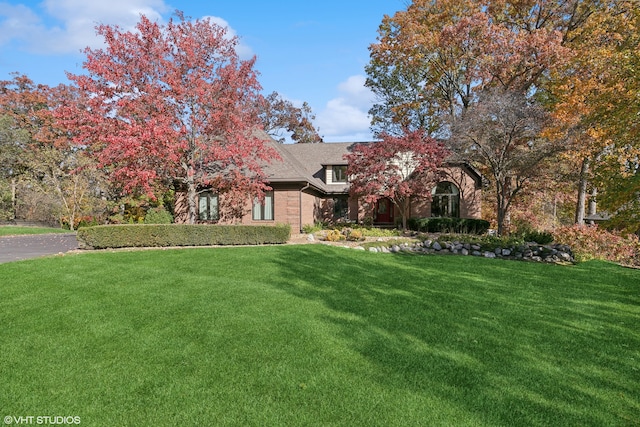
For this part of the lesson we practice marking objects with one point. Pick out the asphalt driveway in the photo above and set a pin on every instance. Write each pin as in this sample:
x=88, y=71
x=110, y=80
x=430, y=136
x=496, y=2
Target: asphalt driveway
x=15, y=248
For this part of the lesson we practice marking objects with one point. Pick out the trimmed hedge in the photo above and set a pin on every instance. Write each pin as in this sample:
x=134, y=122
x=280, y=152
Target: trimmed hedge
x=163, y=235
x=449, y=225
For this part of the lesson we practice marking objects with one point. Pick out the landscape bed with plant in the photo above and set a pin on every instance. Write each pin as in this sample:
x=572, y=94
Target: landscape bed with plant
x=581, y=243
x=317, y=335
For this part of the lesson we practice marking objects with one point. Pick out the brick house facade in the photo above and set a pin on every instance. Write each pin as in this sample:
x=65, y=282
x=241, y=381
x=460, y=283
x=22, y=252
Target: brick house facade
x=309, y=185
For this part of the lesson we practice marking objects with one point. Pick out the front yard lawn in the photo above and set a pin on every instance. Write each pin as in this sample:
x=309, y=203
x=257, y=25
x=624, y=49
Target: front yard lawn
x=315, y=335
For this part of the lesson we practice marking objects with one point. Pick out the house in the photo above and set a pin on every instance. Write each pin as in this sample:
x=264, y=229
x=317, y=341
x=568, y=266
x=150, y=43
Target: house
x=309, y=184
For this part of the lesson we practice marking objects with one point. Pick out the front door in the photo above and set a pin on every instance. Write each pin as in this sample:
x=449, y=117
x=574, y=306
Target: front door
x=384, y=211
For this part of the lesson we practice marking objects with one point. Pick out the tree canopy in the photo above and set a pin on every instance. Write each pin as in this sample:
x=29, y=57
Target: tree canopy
x=435, y=61
x=397, y=167
x=173, y=105
x=279, y=115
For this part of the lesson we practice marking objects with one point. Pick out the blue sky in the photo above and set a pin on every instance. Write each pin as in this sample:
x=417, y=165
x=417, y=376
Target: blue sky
x=312, y=51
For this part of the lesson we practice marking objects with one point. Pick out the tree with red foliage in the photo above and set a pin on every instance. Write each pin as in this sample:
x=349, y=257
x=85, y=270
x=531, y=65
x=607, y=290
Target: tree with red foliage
x=173, y=105
x=399, y=168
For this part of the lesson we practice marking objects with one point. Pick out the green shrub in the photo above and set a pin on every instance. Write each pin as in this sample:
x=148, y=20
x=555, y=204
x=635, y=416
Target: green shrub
x=158, y=215
x=310, y=229
x=540, y=237
x=448, y=225
x=163, y=235
x=486, y=242
x=380, y=232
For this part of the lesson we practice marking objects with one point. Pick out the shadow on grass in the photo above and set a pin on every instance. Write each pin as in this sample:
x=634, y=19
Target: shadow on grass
x=505, y=342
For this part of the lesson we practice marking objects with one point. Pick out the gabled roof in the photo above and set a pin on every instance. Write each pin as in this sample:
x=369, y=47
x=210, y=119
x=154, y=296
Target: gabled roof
x=306, y=163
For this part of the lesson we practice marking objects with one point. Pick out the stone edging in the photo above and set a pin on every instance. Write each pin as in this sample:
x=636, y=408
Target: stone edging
x=533, y=252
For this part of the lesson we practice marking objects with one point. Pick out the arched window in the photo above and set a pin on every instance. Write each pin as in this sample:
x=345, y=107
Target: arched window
x=446, y=200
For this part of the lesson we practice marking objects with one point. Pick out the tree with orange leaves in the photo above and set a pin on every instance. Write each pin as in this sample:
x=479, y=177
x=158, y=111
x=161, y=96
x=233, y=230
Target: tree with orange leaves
x=596, y=104
x=434, y=59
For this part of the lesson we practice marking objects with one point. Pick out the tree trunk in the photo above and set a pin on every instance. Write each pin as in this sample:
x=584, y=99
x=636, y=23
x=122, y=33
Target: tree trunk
x=503, y=195
x=582, y=191
x=405, y=213
x=499, y=209
x=593, y=206
x=14, y=200
x=192, y=195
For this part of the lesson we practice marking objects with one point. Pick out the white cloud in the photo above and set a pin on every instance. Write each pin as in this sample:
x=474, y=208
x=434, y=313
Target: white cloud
x=68, y=26
x=356, y=92
x=345, y=118
x=16, y=21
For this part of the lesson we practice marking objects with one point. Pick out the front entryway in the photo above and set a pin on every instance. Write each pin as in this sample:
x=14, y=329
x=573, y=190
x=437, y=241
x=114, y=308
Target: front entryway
x=384, y=212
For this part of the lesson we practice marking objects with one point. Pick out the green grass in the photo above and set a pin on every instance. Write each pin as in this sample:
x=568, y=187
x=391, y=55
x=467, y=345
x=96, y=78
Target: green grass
x=13, y=230
x=316, y=335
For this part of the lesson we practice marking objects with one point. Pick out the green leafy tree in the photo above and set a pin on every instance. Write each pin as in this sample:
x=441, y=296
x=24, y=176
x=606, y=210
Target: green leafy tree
x=280, y=116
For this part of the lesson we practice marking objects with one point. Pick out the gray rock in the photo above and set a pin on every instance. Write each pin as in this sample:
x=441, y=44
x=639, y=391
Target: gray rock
x=437, y=246
x=488, y=254
x=464, y=251
x=565, y=257
x=506, y=252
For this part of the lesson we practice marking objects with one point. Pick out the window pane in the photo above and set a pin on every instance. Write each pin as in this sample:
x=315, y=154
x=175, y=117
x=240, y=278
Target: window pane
x=455, y=206
x=213, y=207
x=257, y=210
x=268, y=206
x=202, y=207
x=339, y=173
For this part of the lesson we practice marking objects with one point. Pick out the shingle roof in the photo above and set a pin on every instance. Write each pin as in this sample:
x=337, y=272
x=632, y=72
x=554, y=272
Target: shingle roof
x=306, y=163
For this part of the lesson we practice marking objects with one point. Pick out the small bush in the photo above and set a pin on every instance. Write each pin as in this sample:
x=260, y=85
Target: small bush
x=158, y=215
x=370, y=231
x=334, y=236
x=163, y=235
x=310, y=229
x=352, y=234
x=486, y=242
